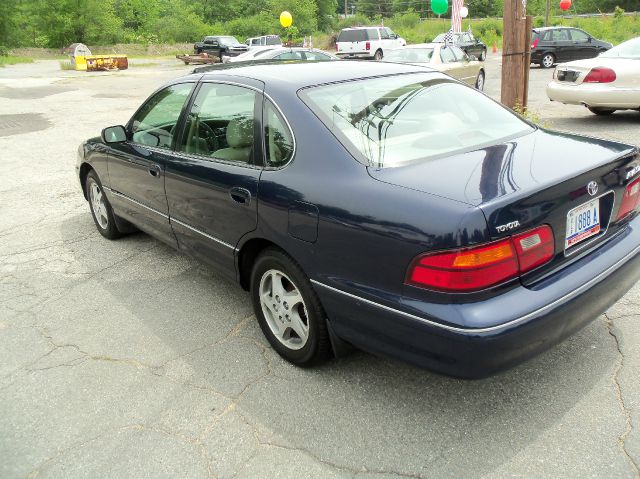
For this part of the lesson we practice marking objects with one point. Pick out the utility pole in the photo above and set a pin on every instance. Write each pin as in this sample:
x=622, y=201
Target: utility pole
x=546, y=13
x=516, y=54
x=346, y=11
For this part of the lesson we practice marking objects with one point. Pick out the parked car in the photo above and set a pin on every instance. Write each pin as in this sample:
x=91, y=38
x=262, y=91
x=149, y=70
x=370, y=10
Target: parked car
x=604, y=84
x=366, y=42
x=220, y=46
x=467, y=43
x=384, y=205
x=283, y=53
x=263, y=41
x=552, y=45
x=442, y=57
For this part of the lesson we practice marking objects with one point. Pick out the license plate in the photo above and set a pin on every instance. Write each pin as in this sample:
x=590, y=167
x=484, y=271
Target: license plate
x=582, y=223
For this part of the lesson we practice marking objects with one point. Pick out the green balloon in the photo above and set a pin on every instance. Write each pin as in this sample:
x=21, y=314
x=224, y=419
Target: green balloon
x=439, y=6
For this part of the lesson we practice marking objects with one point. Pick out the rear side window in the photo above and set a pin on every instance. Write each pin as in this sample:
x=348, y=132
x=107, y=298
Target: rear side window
x=391, y=121
x=579, y=36
x=352, y=36
x=278, y=139
x=274, y=41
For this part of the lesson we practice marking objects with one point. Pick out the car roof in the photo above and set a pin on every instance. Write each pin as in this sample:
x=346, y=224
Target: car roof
x=421, y=45
x=363, y=27
x=543, y=29
x=302, y=74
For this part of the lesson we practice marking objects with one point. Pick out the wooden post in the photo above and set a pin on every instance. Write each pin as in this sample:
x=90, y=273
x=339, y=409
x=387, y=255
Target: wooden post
x=527, y=59
x=546, y=13
x=345, y=9
x=515, y=64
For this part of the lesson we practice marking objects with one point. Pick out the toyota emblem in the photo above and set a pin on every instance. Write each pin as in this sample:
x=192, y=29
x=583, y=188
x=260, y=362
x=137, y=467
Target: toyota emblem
x=592, y=188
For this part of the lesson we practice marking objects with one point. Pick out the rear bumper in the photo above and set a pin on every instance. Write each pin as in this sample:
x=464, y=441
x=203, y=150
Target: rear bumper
x=594, y=95
x=355, y=55
x=486, y=337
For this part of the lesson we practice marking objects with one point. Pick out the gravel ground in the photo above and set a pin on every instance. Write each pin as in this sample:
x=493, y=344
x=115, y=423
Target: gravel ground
x=128, y=359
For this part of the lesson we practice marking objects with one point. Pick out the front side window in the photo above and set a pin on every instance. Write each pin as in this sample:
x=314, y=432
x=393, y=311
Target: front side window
x=220, y=123
x=316, y=56
x=155, y=123
x=579, y=36
x=384, y=34
x=278, y=139
x=394, y=120
x=447, y=55
x=459, y=54
x=289, y=56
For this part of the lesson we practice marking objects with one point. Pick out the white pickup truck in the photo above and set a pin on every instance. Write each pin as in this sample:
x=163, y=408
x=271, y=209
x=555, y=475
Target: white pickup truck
x=366, y=42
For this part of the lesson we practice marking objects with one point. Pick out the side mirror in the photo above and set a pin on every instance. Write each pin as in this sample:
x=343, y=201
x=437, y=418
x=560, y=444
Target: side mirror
x=114, y=134
x=590, y=40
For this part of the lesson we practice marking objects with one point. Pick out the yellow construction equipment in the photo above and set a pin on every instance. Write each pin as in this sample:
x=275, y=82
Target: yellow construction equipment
x=83, y=60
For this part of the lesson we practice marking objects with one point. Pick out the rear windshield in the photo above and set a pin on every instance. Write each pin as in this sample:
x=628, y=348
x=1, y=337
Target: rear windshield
x=628, y=49
x=394, y=120
x=409, y=55
x=274, y=41
x=358, y=35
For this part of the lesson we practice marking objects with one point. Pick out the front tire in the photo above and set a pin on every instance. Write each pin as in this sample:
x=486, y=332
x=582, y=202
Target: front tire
x=601, y=111
x=100, y=207
x=483, y=55
x=378, y=56
x=288, y=310
x=547, y=60
x=480, y=81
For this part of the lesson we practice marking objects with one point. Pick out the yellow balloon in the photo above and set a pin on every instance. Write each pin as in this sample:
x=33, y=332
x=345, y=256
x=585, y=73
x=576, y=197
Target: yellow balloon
x=286, y=19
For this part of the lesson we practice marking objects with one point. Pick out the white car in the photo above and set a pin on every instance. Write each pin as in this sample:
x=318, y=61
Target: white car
x=442, y=57
x=282, y=53
x=603, y=84
x=366, y=42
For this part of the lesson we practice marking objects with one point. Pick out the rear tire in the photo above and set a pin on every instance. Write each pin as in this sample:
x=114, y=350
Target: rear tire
x=288, y=310
x=601, y=111
x=100, y=207
x=547, y=60
x=378, y=56
x=480, y=81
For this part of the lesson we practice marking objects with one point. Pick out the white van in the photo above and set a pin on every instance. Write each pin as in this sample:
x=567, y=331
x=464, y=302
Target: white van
x=366, y=42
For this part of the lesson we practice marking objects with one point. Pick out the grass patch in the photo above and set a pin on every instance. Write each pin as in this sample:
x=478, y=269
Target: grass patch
x=11, y=60
x=67, y=65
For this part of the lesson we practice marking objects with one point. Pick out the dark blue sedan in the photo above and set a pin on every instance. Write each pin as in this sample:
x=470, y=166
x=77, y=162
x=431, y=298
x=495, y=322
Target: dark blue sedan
x=378, y=205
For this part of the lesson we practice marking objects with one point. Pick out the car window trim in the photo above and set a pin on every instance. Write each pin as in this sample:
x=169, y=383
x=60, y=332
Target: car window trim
x=264, y=140
x=257, y=122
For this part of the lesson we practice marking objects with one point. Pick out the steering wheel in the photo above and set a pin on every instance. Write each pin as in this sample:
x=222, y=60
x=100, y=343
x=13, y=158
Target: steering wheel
x=209, y=136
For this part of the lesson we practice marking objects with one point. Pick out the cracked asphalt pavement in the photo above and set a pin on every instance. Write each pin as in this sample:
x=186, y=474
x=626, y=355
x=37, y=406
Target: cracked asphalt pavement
x=127, y=359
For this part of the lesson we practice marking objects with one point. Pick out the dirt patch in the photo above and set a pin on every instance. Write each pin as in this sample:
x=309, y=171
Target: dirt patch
x=113, y=95
x=24, y=123
x=32, y=93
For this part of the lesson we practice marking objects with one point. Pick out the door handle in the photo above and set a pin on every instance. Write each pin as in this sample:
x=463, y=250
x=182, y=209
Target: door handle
x=155, y=170
x=240, y=195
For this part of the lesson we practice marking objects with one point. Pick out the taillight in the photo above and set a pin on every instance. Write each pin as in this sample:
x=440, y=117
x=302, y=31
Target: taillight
x=534, y=248
x=337, y=46
x=367, y=46
x=480, y=267
x=630, y=199
x=535, y=43
x=600, y=75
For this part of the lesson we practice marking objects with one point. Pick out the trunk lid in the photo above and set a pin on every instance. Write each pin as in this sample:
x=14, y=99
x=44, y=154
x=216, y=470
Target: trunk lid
x=533, y=180
x=627, y=71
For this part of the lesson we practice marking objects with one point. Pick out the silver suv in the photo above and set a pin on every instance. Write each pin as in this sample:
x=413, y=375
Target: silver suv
x=366, y=42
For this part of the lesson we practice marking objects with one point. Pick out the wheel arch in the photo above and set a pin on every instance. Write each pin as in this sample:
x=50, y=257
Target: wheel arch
x=85, y=168
x=247, y=255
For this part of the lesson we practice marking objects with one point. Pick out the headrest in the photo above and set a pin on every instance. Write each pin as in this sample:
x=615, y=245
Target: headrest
x=240, y=132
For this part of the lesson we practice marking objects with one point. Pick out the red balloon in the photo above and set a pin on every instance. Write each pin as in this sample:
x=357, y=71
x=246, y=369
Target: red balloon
x=565, y=5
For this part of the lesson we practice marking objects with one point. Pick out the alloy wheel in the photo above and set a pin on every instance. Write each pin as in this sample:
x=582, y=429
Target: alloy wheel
x=98, y=205
x=547, y=60
x=284, y=309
